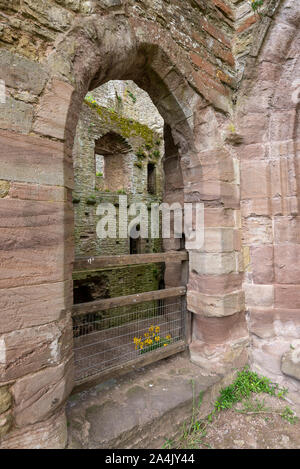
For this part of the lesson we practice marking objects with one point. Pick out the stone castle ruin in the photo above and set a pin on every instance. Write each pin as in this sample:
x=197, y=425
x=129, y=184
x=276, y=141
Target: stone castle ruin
x=166, y=101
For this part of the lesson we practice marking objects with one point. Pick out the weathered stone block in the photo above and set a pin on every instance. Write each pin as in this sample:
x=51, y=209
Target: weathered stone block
x=254, y=127
x=287, y=229
x=49, y=434
x=275, y=49
x=220, y=330
x=33, y=238
x=28, y=306
x=283, y=181
x=21, y=73
x=16, y=115
x=264, y=88
x=219, y=217
x=257, y=230
x=287, y=296
x=217, y=240
x=255, y=151
x=38, y=395
x=10, y=4
x=207, y=88
x=173, y=110
x=49, y=14
x=287, y=263
x=274, y=322
x=267, y=355
x=212, y=263
x=219, y=359
x=226, y=193
x=254, y=179
x=262, y=264
x=213, y=305
x=35, y=160
x=256, y=207
x=217, y=168
x=110, y=3
x=20, y=190
x=258, y=295
x=28, y=350
x=72, y=4
x=215, y=284
x=53, y=110
x=290, y=361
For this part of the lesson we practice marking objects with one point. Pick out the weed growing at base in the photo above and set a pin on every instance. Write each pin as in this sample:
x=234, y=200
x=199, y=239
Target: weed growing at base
x=246, y=384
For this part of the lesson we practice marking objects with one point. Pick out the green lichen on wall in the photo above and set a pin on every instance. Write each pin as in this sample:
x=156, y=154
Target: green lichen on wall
x=119, y=281
x=128, y=128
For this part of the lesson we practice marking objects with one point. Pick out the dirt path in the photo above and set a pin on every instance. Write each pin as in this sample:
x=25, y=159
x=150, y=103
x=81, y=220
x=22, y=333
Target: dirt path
x=256, y=429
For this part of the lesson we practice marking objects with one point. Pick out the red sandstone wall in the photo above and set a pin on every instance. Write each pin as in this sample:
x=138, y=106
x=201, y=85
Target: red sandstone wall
x=190, y=56
x=268, y=121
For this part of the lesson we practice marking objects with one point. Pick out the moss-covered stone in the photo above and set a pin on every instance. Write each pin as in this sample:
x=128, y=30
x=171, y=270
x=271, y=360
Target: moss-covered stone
x=4, y=188
x=5, y=399
x=128, y=128
x=5, y=423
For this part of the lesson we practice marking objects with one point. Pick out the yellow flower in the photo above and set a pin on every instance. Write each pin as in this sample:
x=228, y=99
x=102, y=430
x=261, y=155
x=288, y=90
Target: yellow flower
x=146, y=334
x=151, y=328
x=165, y=345
x=157, y=329
x=168, y=336
x=157, y=338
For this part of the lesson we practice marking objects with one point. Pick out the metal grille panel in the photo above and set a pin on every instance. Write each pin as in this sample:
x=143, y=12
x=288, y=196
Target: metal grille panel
x=104, y=343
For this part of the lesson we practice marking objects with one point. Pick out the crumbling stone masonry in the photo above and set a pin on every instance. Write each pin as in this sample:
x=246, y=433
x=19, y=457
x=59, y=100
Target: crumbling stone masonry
x=226, y=82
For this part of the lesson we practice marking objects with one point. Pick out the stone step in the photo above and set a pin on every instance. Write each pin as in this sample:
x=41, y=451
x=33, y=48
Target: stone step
x=143, y=408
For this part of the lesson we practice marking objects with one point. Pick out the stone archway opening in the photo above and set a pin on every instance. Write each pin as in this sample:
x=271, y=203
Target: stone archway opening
x=124, y=154
x=191, y=77
x=201, y=170
x=95, y=49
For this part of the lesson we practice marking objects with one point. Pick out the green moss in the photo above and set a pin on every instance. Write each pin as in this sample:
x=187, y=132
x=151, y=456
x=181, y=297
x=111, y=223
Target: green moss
x=141, y=154
x=91, y=200
x=132, y=96
x=128, y=128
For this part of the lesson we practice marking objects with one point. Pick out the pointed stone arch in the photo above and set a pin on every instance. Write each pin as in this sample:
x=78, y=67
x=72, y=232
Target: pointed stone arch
x=92, y=52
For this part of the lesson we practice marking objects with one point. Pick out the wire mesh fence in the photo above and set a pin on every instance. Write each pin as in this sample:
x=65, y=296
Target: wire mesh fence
x=103, y=343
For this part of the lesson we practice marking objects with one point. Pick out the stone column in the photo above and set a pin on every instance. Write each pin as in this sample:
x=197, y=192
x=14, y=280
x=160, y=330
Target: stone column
x=215, y=295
